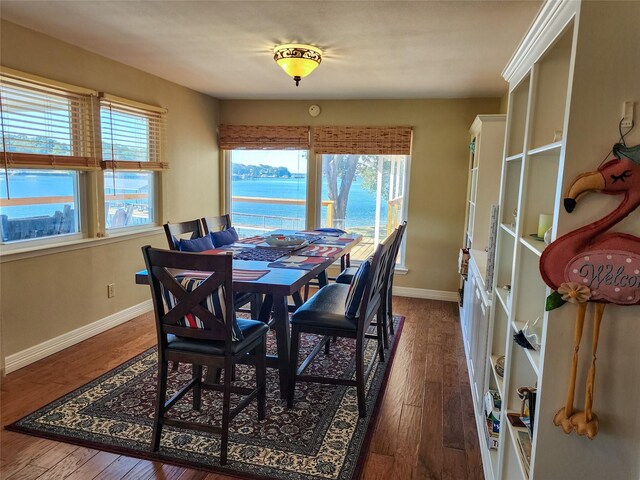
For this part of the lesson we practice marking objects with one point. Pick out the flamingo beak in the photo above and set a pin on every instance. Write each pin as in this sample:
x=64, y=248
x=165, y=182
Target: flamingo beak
x=584, y=183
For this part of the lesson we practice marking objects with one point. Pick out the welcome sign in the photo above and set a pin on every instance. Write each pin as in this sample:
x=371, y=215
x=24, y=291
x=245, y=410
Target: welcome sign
x=611, y=276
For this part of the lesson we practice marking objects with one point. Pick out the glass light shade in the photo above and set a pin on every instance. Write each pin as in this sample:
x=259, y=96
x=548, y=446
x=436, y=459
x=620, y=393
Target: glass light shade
x=297, y=60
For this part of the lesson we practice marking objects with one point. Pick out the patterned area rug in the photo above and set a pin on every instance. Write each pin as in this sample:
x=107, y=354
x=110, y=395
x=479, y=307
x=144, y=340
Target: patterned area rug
x=322, y=437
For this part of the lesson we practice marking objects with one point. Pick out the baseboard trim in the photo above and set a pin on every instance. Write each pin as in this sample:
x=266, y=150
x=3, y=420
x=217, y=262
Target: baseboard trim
x=427, y=294
x=49, y=347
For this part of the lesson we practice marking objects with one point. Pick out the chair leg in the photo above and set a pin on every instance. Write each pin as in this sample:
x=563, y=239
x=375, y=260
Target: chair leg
x=261, y=378
x=306, y=292
x=197, y=387
x=256, y=305
x=226, y=405
x=160, y=399
x=327, y=346
x=390, y=307
x=381, y=330
x=360, y=380
x=293, y=364
x=382, y=318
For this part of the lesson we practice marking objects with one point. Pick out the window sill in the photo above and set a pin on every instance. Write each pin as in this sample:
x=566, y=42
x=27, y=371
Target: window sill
x=15, y=254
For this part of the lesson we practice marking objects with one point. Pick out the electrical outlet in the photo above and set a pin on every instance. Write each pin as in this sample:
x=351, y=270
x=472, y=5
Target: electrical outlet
x=111, y=290
x=627, y=115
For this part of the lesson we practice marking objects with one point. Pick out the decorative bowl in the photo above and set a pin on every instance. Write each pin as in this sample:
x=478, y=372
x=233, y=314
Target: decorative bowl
x=284, y=241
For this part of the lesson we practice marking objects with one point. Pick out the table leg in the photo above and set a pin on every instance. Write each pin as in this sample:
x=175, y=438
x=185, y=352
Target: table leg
x=297, y=299
x=281, y=317
x=265, y=309
x=322, y=278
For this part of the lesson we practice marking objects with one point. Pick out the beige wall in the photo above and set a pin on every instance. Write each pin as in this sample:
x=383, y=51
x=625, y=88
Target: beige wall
x=47, y=296
x=439, y=163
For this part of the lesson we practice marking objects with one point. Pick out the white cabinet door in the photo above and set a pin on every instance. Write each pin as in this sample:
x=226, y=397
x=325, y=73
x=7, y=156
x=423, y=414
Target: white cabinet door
x=479, y=326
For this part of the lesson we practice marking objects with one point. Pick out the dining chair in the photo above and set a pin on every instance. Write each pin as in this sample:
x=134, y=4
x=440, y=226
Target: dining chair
x=346, y=277
x=192, y=228
x=195, y=324
x=331, y=313
x=214, y=224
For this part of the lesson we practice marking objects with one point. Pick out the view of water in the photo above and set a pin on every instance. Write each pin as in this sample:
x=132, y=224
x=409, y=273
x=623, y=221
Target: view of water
x=360, y=209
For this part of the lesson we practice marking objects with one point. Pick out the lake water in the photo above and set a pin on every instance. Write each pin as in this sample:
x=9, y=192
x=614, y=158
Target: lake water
x=360, y=209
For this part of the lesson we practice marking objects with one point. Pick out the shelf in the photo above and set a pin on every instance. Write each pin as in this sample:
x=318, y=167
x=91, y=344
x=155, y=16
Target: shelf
x=513, y=433
x=509, y=229
x=499, y=380
x=512, y=158
x=532, y=355
x=501, y=293
x=536, y=246
x=546, y=148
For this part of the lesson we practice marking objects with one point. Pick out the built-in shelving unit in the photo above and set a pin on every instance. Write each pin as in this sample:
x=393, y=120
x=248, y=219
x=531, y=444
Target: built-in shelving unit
x=564, y=108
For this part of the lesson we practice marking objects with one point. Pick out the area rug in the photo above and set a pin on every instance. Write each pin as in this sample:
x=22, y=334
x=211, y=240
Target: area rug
x=322, y=437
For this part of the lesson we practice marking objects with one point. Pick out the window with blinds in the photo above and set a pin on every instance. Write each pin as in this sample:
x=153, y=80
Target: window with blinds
x=132, y=149
x=52, y=133
x=47, y=138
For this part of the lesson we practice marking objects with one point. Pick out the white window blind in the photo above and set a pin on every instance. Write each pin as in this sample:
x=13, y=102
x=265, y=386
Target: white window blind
x=132, y=135
x=45, y=126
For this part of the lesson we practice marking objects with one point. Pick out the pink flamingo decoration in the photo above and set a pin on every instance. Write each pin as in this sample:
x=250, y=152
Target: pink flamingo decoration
x=591, y=265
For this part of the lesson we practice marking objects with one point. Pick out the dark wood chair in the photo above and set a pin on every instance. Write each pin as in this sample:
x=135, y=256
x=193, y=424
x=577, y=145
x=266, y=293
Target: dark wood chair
x=219, y=341
x=215, y=224
x=324, y=314
x=173, y=231
x=346, y=276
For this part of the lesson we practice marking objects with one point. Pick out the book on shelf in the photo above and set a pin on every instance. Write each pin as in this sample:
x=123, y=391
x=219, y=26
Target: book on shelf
x=524, y=443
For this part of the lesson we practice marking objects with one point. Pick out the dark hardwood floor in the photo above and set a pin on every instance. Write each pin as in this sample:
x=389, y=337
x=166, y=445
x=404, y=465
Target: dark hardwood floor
x=425, y=428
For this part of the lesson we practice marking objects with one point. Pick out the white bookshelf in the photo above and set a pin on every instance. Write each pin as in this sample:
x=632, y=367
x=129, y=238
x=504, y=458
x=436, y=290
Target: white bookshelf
x=565, y=101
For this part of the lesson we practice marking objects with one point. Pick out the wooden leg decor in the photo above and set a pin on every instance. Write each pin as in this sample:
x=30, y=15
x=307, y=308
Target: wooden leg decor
x=563, y=416
x=586, y=423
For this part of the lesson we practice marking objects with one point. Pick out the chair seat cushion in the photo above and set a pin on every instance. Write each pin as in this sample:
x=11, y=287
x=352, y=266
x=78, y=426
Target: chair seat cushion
x=326, y=309
x=346, y=275
x=251, y=330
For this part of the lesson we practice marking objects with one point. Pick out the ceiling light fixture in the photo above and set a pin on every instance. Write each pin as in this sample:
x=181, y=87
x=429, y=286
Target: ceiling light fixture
x=297, y=60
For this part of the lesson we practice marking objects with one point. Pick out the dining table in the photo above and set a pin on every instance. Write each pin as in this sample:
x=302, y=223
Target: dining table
x=276, y=280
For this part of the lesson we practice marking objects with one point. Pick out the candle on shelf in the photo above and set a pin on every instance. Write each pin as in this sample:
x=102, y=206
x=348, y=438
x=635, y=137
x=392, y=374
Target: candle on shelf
x=545, y=221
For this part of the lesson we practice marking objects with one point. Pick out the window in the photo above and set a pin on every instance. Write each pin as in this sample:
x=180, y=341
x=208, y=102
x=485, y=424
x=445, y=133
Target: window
x=45, y=145
x=268, y=190
x=131, y=151
x=366, y=195
x=52, y=136
x=364, y=181
x=267, y=175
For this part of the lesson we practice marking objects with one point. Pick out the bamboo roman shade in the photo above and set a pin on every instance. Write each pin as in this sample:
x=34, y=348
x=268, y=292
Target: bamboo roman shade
x=345, y=140
x=132, y=135
x=46, y=126
x=263, y=137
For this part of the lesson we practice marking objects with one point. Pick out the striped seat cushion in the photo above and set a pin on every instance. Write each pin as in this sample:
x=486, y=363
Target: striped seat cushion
x=356, y=290
x=215, y=303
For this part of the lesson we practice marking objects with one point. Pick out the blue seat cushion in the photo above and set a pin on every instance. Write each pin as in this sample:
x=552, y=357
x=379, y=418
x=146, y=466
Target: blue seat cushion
x=346, y=276
x=199, y=244
x=251, y=330
x=356, y=290
x=326, y=309
x=224, y=237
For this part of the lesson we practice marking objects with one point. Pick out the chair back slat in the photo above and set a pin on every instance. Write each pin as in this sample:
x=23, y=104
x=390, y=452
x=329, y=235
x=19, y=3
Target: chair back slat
x=375, y=281
x=193, y=228
x=215, y=271
x=395, y=249
x=215, y=224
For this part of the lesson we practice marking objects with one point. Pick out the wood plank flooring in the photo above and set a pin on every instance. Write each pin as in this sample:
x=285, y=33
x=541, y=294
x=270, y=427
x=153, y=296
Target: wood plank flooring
x=425, y=429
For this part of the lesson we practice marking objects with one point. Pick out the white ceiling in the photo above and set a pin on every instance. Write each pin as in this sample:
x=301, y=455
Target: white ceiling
x=373, y=49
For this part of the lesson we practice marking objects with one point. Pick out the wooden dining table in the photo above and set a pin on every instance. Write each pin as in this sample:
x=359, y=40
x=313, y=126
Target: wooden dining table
x=275, y=287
